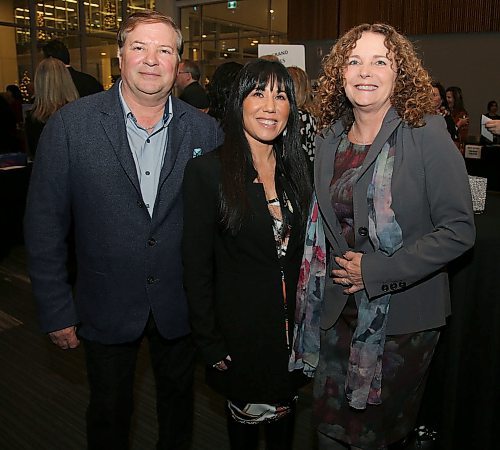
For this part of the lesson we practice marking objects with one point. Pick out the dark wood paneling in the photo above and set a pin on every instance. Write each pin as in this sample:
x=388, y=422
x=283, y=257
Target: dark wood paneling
x=312, y=19
x=325, y=19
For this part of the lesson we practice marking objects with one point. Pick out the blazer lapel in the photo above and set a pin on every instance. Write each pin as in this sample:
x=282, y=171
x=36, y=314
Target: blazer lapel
x=114, y=126
x=323, y=174
x=176, y=133
x=390, y=123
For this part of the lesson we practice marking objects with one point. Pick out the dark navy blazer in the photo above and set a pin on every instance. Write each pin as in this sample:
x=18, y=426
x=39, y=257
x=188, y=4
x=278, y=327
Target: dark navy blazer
x=128, y=263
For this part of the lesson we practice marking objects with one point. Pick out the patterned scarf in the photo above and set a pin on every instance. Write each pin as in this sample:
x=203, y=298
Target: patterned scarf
x=364, y=373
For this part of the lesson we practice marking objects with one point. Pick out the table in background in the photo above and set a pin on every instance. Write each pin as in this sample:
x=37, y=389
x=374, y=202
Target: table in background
x=463, y=392
x=488, y=166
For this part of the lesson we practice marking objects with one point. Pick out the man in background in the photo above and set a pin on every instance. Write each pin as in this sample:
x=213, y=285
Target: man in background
x=85, y=84
x=188, y=82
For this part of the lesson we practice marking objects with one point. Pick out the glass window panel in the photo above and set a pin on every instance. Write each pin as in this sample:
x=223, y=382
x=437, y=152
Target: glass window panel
x=137, y=5
x=56, y=15
x=102, y=61
x=15, y=56
x=15, y=12
x=191, y=23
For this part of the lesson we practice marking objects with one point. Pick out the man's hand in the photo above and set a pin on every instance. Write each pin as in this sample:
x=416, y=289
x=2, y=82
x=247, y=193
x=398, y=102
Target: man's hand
x=65, y=338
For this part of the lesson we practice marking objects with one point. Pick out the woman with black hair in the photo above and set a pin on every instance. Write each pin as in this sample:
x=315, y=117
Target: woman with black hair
x=220, y=87
x=441, y=106
x=245, y=211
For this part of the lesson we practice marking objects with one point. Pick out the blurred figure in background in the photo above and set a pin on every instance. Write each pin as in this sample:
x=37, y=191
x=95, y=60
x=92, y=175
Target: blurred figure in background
x=303, y=95
x=459, y=113
x=8, y=131
x=85, y=84
x=16, y=102
x=493, y=125
x=53, y=89
x=219, y=88
x=492, y=110
x=441, y=106
x=188, y=81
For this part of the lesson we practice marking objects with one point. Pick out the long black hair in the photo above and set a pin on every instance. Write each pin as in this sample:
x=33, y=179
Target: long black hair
x=236, y=157
x=220, y=88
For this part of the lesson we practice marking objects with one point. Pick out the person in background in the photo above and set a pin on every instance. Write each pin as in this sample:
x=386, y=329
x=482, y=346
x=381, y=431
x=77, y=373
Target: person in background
x=494, y=124
x=54, y=88
x=188, y=81
x=303, y=95
x=441, y=108
x=9, y=142
x=85, y=84
x=244, y=219
x=492, y=110
x=16, y=101
x=220, y=87
x=460, y=115
x=111, y=165
x=393, y=208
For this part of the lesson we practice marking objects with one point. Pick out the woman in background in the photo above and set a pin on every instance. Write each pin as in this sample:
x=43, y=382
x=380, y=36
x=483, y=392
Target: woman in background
x=54, y=88
x=459, y=113
x=394, y=201
x=220, y=87
x=303, y=94
x=245, y=209
x=441, y=108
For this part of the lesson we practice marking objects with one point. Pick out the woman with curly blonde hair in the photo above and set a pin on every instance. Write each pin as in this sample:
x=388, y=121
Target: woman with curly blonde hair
x=393, y=208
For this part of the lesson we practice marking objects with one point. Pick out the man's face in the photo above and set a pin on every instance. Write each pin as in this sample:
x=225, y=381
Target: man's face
x=183, y=78
x=148, y=62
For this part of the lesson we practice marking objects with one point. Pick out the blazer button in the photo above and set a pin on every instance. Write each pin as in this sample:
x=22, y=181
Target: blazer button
x=151, y=242
x=363, y=231
x=140, y=204
x=394, y=286
x=402, y=284
x=385, y=287
x=151, y=280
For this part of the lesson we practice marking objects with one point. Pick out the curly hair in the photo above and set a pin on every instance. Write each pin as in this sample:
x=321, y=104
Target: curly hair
x=412, y=95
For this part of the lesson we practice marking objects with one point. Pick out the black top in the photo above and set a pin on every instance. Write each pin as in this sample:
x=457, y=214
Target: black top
x=85, y=84
x=33, y=129
x=195, y=95
x=234, y=288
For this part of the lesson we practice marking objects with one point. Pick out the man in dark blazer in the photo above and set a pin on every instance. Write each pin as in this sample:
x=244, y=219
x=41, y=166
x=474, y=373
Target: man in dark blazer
x=188, y=82
x=110, y=166
x=85, y=84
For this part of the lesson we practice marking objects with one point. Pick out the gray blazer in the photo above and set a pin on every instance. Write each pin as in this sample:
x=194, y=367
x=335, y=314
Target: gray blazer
x=432, y=203
x=128, y=263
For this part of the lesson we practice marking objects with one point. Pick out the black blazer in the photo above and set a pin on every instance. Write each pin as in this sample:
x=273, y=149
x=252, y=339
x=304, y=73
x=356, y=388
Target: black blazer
x=234, y=289
x=128, y=263
x=85, y=84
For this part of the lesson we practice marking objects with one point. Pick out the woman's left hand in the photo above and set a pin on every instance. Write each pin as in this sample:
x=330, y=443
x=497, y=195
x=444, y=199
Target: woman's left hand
x=350, y=274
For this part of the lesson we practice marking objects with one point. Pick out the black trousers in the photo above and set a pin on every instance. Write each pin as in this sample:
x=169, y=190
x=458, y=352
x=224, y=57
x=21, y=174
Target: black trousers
x=111, y=370
x=278, y=435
